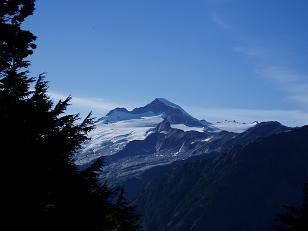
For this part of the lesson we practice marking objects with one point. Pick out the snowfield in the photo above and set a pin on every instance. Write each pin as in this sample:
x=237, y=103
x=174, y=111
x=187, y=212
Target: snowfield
x=109, y=138
x=233, y=126
x=185, y=128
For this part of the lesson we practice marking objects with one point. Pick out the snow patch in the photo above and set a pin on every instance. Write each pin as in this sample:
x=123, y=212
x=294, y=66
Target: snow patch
x=207, y=139
x=117, y=116
x=180, y=150
x=185, y=128
x=233, y=126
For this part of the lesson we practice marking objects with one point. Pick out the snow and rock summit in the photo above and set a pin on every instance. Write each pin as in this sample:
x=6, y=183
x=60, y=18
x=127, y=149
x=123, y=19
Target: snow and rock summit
x=158, y=107
x=121, y=126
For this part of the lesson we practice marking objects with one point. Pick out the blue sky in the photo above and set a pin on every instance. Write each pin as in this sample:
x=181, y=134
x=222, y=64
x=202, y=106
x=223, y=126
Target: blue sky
x=219, y=59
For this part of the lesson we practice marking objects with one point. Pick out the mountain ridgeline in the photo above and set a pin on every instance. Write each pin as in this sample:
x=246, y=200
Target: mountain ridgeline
x=160, y=133
x=188, y=174
x=170, y=111
x=242, y=189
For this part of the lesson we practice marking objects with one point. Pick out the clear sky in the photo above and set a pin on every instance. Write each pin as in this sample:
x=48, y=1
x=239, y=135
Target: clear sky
x=219, y=59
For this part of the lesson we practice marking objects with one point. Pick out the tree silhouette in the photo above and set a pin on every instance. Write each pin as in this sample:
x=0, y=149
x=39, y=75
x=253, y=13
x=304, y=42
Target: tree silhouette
x=43, y=188
x=295, y=218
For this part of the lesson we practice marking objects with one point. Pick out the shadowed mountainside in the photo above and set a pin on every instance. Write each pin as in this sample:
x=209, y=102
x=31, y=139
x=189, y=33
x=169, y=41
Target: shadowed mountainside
x=239, y=190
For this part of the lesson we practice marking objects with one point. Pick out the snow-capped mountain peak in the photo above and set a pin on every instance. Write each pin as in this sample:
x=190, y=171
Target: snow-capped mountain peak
x=172, y=112
x=168, y=103
x=118, y=109
x=120, y=126
x=159, y=106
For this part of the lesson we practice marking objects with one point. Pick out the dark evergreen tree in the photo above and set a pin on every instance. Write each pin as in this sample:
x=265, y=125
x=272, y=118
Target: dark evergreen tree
x=43, y=188
x=295, y=218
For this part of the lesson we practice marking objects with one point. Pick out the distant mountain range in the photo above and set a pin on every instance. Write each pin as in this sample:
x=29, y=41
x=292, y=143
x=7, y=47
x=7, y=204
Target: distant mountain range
x=142, y=146
x=120, y=126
